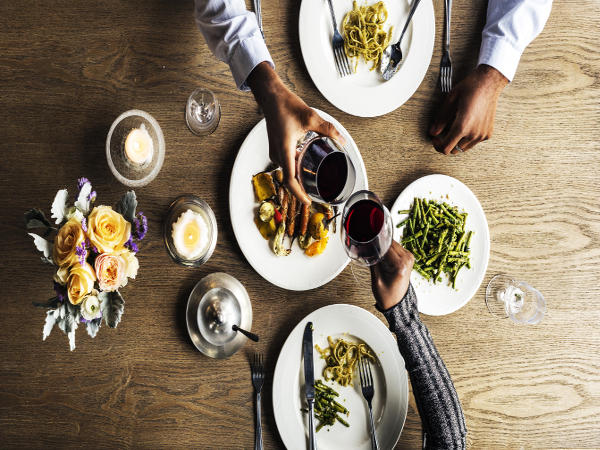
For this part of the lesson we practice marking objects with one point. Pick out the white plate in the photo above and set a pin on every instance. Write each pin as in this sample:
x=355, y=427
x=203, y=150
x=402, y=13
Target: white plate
x=296, y=271
x=440, y=299
x=390, y=402
x=365, y=93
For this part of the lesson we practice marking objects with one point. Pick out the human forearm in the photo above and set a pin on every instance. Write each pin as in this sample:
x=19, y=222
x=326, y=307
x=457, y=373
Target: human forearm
x=437, y=401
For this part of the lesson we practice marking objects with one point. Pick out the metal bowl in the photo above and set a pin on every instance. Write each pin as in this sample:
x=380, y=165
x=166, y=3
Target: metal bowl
x=216, y=284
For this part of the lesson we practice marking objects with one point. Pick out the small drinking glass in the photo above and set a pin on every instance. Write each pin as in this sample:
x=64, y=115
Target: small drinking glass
x=367, y=228
x=324, y=169
x=202, y=112
x=507, y=297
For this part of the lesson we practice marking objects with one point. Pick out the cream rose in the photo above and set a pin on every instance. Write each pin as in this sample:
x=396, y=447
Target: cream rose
x=68, y=238
x=110, y=270
x=131, y=263
x=61, y=275
x=90, y=306
x=107, y=229
x=80, y=282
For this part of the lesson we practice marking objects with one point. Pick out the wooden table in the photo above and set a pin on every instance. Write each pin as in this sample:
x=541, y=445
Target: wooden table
x=69, y=68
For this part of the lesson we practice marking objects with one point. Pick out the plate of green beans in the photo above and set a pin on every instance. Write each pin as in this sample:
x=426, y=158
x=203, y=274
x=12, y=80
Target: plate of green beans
x=441, y=222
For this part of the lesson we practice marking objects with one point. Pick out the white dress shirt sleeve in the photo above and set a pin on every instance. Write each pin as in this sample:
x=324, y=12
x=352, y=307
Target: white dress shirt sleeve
x=511, y=25
x=232, y=34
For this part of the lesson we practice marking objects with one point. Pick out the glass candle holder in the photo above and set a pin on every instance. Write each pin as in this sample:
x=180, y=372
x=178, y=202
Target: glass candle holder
x=182, y=210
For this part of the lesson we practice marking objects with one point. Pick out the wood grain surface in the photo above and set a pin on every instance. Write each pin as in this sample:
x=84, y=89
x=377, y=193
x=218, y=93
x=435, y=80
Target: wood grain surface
x=68, y=68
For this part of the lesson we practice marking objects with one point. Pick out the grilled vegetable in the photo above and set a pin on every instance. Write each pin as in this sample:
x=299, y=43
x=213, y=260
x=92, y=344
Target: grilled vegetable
x=316, y=227
x=327, y=408
x=435, y=234
x=264, y=187
x=291, y=216
x=266, y=211
x=304, y=216
x=277, y=243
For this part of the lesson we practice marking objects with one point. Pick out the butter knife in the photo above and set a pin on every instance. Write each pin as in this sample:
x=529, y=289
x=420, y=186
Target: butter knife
x=309, y=381
x=391, y=57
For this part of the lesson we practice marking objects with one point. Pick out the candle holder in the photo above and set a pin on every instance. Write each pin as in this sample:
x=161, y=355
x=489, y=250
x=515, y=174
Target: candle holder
x=179, y=207
x=128, y=171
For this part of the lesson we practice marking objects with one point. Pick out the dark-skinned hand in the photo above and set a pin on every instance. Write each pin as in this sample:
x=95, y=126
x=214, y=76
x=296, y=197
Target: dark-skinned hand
x=391, y=276
x=467, y=114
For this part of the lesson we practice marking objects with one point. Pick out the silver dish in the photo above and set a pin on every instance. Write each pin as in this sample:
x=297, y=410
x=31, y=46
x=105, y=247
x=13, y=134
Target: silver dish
x=213, y=286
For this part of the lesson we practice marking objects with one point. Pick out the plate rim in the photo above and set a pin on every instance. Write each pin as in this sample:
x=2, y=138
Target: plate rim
x=358, y=310
x=362, y=169
x=426, y=9
x=487, y=251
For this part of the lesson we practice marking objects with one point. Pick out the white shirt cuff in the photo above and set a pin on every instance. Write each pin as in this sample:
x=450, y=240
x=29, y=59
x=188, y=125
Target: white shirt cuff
x=501, y=55
x=249, y=53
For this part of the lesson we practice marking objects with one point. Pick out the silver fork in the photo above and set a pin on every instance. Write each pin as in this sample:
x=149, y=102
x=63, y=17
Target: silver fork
x=258, y=12
x=258, y=378
x=339, y=55
x=366, y=384
x=446, y=66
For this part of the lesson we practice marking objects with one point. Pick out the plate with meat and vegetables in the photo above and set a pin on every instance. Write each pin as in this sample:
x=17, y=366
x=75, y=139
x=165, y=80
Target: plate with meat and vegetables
x=441, y=222
x=292, y=246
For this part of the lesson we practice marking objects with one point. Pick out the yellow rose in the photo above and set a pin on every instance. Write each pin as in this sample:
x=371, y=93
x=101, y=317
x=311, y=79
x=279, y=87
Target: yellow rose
x=110, y=270
x=80, y=282
x=68, y=238
x=107, y=229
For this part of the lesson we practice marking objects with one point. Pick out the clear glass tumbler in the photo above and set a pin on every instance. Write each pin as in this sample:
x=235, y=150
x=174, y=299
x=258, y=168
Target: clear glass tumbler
x=202, y=112
x=507, y=297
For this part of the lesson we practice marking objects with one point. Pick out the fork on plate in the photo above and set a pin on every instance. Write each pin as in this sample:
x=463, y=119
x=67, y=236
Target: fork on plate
x=257, y=367
x=446, y=65
x=368, y=390
x=339, y=54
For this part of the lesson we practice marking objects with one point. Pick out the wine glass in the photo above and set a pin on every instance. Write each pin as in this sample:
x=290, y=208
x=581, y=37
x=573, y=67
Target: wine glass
x=367, y=228
x=507, y=297
x=324, y=169
x=202, y=112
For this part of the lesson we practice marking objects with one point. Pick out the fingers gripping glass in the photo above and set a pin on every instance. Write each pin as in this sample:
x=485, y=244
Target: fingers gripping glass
x=366, y=228
x=324, y=169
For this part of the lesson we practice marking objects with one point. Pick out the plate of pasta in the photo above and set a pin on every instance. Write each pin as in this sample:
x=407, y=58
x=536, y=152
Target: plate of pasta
x=368, y=27
x=341, y=334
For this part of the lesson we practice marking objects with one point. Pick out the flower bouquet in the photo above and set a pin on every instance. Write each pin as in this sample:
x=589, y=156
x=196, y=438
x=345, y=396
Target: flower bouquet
x=94, y=250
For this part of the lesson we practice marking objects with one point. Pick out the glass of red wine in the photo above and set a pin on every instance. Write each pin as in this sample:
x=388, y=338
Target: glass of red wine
x=325, y=170
x=367, y=229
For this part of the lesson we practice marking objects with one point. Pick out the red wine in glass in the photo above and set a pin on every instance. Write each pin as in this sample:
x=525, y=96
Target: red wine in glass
x=325, y=170
x=367, y=228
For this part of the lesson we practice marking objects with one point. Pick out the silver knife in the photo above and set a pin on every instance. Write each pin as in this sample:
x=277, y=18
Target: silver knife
x=391, y=57
x=309, y=381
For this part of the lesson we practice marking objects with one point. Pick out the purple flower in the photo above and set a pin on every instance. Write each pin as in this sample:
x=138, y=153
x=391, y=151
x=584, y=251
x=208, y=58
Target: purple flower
x=81, y=252
x=131, y=245
x=61, y=291
x=84, y=224
x=141, y=226
x=81, y=181
x=92, y=196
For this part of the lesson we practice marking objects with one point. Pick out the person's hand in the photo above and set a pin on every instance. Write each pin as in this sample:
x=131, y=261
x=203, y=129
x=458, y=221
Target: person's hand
x=391, y=276
x=288, y=120
x=466, y=117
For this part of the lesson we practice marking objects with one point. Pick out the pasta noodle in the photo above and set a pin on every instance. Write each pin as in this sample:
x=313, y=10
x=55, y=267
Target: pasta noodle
x=341, y=357
x=364, y=35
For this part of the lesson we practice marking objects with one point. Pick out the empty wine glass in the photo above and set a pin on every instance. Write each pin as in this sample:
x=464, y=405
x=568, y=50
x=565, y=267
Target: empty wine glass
x=367, y=228
x=507, y=297
x=202, y=112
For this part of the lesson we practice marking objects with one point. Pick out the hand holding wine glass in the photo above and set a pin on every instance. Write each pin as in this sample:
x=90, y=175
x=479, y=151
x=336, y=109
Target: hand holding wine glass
x=391, y=276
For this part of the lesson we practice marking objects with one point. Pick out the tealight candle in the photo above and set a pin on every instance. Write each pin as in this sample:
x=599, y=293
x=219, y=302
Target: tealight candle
x=138, y=146
x=191, y=235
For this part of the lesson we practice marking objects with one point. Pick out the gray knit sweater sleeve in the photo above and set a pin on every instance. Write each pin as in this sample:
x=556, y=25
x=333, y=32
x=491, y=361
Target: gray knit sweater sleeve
x=441, y=414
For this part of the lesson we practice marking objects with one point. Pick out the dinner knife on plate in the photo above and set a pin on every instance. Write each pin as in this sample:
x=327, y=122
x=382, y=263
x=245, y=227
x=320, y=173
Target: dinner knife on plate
x=309, y=381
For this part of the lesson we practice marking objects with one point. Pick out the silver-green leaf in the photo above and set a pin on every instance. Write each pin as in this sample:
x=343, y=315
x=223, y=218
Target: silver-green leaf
x=42, y=244
x=112, y=305
x=49, y=324
x=93, y=326
x=35, y=218
x=59, y=206
x=127, y=206
x=83, y=200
